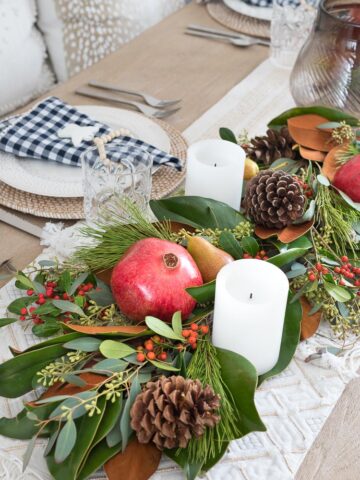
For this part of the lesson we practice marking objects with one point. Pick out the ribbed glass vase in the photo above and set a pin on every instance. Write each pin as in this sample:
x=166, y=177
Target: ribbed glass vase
x=327, y=70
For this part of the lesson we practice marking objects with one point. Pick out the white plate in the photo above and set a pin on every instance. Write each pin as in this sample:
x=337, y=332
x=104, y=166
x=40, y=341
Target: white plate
x=52, y=179
x=262, y=13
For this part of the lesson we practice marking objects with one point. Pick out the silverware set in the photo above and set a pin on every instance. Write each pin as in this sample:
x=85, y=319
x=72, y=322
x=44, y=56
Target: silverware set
x=236, y=39
x=152, y=106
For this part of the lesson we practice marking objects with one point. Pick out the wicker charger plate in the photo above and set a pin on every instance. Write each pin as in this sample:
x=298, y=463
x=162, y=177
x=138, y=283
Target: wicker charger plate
x=241, y=23
x=164, y=182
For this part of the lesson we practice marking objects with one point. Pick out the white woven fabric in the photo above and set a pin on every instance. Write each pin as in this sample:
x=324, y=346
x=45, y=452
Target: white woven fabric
x=294, y=405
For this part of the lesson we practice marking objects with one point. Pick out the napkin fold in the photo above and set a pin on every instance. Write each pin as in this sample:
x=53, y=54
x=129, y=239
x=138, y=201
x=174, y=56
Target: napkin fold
x=35, y=134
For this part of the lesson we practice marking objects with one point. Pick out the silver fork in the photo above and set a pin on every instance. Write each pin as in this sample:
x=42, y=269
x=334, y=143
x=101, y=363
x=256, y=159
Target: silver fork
x=149, y=111
x=238, y=42
x=149, y=99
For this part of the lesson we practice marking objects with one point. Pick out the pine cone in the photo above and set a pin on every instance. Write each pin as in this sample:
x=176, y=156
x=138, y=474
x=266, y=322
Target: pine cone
x=268, y=148
x=170, y=411
x=274, y=199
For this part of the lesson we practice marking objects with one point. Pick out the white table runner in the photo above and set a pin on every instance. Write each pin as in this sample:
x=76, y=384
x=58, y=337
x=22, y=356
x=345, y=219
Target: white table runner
x=294, y=405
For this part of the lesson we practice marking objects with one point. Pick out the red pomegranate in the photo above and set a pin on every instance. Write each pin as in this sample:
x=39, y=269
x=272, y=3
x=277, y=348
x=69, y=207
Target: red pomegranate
x=347, y=178
x=151, y=278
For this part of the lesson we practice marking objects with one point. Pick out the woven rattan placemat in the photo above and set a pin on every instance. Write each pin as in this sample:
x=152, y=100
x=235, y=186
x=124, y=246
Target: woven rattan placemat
x=241, y=23
x=164, y=182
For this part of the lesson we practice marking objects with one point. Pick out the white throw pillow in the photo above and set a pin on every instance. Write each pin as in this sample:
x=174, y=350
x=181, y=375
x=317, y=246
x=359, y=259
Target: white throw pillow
x=79, y=33
x=24, y=73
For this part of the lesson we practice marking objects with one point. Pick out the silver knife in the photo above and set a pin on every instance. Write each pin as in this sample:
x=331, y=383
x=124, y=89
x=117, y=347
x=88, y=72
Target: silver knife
x=19, y=223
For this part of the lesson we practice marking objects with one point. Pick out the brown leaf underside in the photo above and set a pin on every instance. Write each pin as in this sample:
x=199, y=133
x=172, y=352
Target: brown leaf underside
x=309, y=324
x=89, y=330
x=138, y=462
x=285, y=235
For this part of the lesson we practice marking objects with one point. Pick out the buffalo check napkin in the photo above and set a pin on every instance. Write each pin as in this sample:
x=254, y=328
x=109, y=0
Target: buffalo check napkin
x=36, y=135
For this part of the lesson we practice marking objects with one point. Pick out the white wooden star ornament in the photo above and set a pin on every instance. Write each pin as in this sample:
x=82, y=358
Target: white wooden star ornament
x=77, y=133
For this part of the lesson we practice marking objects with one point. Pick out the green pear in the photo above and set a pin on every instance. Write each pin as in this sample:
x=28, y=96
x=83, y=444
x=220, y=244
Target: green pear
x=209, y=259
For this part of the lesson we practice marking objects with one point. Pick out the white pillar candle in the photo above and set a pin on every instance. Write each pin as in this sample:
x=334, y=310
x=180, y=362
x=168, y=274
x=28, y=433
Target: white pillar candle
x=215, y=169
x=250, y=303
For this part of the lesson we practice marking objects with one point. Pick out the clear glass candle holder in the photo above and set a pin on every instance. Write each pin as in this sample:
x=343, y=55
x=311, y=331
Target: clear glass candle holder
x=107, y=183
x=291, y=24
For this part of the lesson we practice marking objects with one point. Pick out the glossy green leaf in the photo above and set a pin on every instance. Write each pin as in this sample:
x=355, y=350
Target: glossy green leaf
x=85, y=344
x=65, y=441
x=162, y=328
x=67, y=306
x=290, y=338
x=7, y=321
x=86, y=431
x=61, y=339
x=240, y=377
x=228, y=135
x=110, y=418
x=250, y=245
x=176, y=323
x=114, y=349
x=203, y=294
x=330, y=114
x=286, y=257
x=125, y=428
x=21, y=426
x=197, y=212
x=17, y=373
x=340, y=294
x=180, y=456
x=229, y=244
x=98, y=456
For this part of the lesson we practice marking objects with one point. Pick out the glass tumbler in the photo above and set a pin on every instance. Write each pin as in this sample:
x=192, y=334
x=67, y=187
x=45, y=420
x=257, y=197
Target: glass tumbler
x=327, y=71
x=105, y=183
x=291, y=24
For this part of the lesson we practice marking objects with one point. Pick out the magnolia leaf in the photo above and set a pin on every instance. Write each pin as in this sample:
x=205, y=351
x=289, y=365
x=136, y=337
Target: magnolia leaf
x=340, y=294
x=113, y=349
x=176, y=323
x=97, y=457
x=331, y=114
x=125, y=427
x=228, y=135
x=250, y=245
x=286, y=257
x=198, y=212
x=162, y=328
x=229, y=244
x=310, y=321
x=65, y=441
x=290, y=338
x=203, y=294
x=119, y=331
x=67, y=306
x=85, y=344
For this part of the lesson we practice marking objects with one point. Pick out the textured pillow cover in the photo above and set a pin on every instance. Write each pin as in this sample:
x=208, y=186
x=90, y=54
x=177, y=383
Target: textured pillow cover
x=24, y=73
x=79, y=33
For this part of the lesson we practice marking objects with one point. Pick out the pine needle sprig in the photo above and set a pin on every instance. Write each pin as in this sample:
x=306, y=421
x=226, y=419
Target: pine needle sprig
x=337, y=217
x=205, y=366
x=116, y=230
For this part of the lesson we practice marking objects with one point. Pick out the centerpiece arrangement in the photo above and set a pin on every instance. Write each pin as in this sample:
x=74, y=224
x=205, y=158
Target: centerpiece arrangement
x=133, y=364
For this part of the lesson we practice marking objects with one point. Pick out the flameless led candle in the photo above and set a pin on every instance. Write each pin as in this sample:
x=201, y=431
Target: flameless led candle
x=250, y=303
x=215, y=169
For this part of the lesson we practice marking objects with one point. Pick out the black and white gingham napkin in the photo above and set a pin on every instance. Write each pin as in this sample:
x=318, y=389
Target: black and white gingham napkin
x=35, y=135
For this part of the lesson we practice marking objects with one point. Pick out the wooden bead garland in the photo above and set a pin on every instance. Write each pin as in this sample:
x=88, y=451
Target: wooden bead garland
x=100, y=143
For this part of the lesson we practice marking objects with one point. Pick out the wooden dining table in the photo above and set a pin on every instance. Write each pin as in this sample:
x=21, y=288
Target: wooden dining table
x=169, y=64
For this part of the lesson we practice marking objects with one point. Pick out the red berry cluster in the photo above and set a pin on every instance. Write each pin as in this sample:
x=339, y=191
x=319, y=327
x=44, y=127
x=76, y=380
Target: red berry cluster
x=191, y=335
x=261, y=255
x=346, y=270
x=308, y=191
x=152, y=349
x=52, y=292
